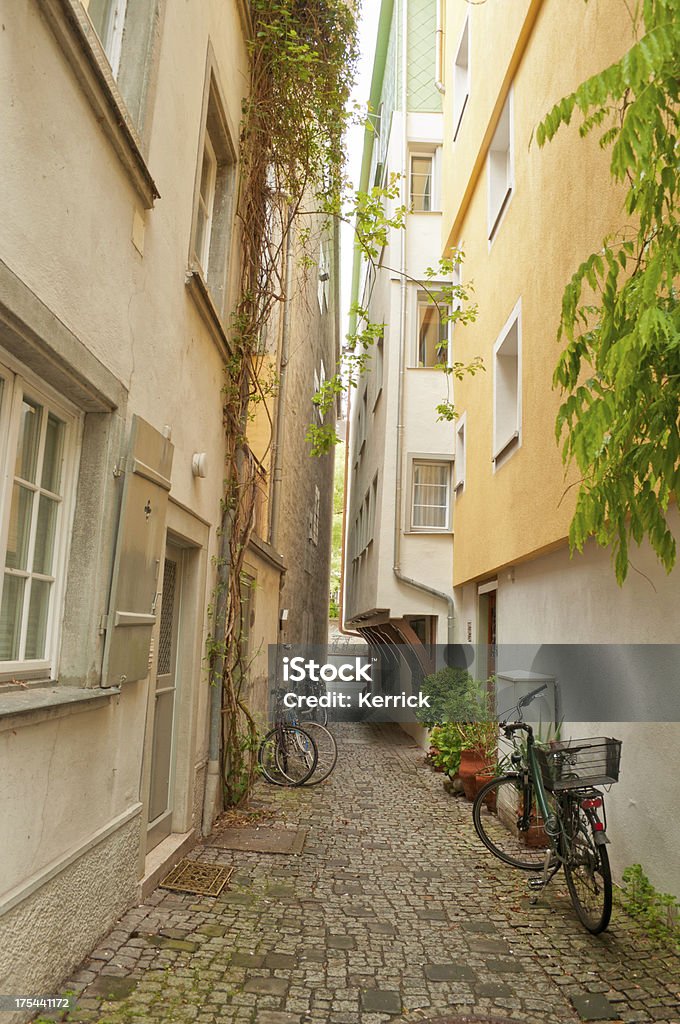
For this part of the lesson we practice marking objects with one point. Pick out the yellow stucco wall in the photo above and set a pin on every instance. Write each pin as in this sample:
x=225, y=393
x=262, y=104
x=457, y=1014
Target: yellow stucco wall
x=562, y=204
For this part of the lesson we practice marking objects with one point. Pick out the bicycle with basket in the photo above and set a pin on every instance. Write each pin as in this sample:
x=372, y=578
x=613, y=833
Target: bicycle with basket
x=547, y=813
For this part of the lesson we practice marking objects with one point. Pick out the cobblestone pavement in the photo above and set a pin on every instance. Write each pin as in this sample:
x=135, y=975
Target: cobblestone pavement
x=393, y=912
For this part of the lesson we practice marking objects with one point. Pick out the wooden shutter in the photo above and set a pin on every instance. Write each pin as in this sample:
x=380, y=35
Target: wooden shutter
x=139, y=549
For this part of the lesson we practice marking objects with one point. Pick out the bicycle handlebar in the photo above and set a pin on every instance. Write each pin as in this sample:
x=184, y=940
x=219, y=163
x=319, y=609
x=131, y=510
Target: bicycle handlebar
x=527, y=699
x=510, y=727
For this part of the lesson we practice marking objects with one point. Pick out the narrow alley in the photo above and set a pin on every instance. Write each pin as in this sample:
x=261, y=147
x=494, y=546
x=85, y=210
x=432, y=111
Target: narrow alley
x=391, y=911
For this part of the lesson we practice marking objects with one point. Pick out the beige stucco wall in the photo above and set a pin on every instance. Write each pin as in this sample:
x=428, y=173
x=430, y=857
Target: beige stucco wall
x=67, y=209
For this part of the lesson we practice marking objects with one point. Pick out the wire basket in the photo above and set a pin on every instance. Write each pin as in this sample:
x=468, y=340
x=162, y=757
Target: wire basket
x=573, y=764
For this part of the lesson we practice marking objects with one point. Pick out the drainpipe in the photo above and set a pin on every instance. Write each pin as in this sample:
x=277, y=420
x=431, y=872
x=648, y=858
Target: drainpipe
x=277, y=476
x=343, y=552
x=439, y=51
x=396, y=568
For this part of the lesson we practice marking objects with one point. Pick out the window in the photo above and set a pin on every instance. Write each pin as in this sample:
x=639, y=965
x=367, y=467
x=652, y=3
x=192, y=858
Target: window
x=314, y=517
x=373, y=498
x=211, y=235
x=319, y=381
x=500, y=163
x=379, y=367
x=433, y=335
x=459, y=465
x=430, y=495
x=206, y=204
x=39, y=461
x=422, y=167
x=323, y=286
x=108, y=20
x=507, y=389
x=461, y=79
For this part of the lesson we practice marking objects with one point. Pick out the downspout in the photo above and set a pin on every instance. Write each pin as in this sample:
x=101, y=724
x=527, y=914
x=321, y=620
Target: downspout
x=277, y=476
x=341, y=610
x=439, y=51
x=398, y=487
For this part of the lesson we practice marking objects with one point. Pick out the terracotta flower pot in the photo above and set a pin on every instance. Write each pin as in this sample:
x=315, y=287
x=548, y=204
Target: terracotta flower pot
x=470, y=764
x=481, y=779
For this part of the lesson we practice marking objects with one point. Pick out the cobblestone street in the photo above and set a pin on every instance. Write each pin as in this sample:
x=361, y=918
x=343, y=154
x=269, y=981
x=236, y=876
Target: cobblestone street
x=393, y=911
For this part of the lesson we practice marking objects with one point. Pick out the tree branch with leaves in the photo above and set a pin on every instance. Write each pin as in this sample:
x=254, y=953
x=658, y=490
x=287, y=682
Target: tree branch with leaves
x=620, y=369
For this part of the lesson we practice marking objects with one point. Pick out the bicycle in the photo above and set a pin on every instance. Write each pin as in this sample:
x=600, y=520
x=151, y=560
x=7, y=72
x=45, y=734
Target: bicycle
x=287, y=755
x=546, y=814
x=324, y=741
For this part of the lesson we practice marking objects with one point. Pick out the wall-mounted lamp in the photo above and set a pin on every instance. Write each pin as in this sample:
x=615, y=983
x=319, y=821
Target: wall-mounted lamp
x=199, y=464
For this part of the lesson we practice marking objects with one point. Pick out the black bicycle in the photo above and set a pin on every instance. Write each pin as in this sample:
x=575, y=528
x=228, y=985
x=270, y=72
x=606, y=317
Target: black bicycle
x=546, y=814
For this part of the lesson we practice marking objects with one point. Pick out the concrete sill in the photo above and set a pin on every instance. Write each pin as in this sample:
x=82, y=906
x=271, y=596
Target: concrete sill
x=37, y=704
x=200, y=293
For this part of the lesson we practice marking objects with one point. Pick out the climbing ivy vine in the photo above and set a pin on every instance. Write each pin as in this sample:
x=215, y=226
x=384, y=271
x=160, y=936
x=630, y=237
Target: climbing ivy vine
x=302, y=56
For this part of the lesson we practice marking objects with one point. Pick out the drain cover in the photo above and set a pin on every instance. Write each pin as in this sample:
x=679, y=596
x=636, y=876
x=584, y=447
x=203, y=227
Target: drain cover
x=200, y=879
x=261, y=840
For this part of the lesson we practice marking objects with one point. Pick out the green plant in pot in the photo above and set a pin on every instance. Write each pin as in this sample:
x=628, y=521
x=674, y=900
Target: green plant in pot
x=446, y=745
x=479, y=740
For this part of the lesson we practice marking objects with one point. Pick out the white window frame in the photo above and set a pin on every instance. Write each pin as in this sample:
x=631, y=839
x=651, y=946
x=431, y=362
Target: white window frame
x=500, y=163
x=429, y=462
x=423, y=300
x=379, y=368
x=19, y=382
x=507, y=431
x=323, y=286
x=208, y=206
x=422, y=155
x=112, y=37
x=461, y=78
x=461, y=455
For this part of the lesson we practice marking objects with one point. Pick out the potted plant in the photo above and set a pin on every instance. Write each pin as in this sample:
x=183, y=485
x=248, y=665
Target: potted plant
x=445, y=748
x=479, y=754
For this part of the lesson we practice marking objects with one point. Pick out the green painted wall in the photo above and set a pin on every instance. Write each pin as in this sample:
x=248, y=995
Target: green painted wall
x=422, y=25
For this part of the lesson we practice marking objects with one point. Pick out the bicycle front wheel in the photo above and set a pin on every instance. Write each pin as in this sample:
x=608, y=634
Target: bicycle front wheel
x=587, y=871
x=287, y=756
x=498, y=812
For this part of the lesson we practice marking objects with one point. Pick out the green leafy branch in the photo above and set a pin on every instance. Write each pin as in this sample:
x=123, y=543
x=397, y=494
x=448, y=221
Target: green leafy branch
x=620, y=314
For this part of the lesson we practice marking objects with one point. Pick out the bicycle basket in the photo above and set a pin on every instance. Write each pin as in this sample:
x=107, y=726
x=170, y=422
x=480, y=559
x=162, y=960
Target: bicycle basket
x=573, y=764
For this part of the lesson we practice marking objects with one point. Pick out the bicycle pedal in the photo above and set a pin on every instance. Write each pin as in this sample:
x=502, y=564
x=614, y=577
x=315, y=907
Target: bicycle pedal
x=536, y=883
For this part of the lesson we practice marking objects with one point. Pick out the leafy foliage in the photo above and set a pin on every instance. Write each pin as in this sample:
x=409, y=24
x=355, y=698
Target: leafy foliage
x=658, y=912
x=374, y=215
x=446, y=744
x=454, y=696
x=620, y=369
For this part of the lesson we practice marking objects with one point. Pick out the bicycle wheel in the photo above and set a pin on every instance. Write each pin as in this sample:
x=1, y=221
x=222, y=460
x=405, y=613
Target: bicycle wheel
x=287, y=756
x=497, y=813
x=296, y=755
x=586, y=868
x=319, y=715
x=327, y=750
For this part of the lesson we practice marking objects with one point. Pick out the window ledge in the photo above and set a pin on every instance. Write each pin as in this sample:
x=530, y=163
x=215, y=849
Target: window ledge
x=429, y=533
x=200, y=293
x=39, y=703
x=506, y=448
x=84, y=53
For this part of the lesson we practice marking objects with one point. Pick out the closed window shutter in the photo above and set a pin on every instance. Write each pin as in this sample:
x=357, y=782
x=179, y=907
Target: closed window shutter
x=139, y=549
